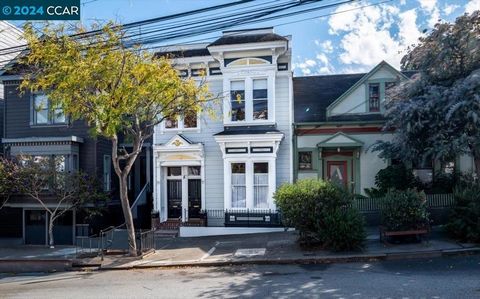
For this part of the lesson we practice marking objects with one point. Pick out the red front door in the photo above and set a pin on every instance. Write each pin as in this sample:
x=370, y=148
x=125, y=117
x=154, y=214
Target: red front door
x=337, y=172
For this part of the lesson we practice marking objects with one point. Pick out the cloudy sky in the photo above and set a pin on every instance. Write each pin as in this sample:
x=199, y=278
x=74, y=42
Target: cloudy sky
x=345, y=39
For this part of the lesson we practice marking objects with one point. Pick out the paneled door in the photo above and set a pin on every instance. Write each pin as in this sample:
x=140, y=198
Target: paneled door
x=174, y=192
x=184, y=192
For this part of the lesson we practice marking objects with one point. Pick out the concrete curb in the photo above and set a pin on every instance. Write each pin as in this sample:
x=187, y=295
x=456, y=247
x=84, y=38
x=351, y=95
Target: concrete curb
x=34, y=265
x=303, y=261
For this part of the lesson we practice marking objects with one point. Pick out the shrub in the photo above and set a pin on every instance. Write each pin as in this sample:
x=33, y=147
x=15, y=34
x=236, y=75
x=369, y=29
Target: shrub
x=464, y=221
x=404, y=210
x=322, y=213
x=392, y=177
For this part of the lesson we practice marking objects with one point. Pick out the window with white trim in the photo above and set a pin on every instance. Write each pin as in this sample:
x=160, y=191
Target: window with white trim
x=260, y=99
x=250, y=184
x=239, y=185
x=249, y=100
x=237, y=100
x=260, y=185
x=188, y=121
x=44, y=113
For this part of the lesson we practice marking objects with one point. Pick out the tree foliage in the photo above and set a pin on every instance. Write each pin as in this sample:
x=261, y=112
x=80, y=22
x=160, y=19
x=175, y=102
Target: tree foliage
x=436, y=114
x=56, y=190
x=118, y=90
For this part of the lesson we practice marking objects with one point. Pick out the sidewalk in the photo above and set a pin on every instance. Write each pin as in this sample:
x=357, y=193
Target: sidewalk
x=278, y=248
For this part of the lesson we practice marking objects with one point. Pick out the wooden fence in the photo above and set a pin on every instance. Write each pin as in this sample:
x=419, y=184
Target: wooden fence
x=433, y=201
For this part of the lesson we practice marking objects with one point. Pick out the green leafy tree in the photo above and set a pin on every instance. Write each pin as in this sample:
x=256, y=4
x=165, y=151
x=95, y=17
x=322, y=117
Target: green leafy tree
x=57, y=191
x=118, y=90
x=436, y=115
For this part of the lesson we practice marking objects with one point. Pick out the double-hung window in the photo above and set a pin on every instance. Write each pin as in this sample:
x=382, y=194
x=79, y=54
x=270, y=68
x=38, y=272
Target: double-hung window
x=260, y=99
x=374, y=97
x=44, y=113
x=260, y=185
x=237, y=100
x=249, y=100
x=250, y=185
x=187, y=121
x=239, y=187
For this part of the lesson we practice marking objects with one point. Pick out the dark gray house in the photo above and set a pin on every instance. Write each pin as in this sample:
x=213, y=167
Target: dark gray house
x=31, y=129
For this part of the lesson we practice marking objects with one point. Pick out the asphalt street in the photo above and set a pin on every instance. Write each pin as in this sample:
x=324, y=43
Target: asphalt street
x=453, y=277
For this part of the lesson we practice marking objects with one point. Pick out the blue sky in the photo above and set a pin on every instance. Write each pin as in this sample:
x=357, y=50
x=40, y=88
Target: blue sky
x=354, y=38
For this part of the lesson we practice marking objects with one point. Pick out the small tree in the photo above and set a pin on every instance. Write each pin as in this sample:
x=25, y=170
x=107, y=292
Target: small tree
x=437, y=114
x=56, y=190
x=118, y=91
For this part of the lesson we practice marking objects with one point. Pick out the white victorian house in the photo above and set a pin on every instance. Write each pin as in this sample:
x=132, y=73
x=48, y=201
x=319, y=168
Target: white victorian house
x=236, y=160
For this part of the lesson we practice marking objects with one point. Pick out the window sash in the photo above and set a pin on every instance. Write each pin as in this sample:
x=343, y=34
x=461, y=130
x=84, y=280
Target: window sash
x=305, y=160
x=374, y=97
x=44, y=114
x=260, y=185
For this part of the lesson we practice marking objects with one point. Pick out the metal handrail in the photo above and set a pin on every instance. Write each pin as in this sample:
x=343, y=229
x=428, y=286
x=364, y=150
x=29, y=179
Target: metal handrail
x=139, y=196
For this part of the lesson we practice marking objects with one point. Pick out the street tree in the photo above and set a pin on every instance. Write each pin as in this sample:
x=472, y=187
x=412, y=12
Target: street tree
x=436, y=114
x=56, y=190
x=119, y=90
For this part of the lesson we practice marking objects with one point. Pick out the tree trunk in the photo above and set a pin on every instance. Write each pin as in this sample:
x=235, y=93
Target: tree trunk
x=132, y=244
x=50, y=232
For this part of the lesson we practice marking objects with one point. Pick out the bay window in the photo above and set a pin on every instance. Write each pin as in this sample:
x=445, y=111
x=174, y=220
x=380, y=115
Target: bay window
x=250, y=100
x=251, y=184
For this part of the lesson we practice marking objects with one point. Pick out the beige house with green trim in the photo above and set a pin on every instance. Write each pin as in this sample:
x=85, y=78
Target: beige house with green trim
x=338, y=118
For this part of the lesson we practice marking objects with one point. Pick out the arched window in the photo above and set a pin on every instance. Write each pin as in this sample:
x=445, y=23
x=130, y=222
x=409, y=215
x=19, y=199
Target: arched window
x=248, y=61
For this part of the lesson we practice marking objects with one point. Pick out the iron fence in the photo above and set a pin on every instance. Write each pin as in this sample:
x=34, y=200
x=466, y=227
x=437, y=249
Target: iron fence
x=147, y=241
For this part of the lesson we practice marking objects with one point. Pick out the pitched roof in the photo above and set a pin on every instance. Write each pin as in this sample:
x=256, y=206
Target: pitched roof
x=313, y=94
x=184, y=53
x=247, y=38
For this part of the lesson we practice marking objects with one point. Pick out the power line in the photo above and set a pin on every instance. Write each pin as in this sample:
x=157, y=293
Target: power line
x=276, y=25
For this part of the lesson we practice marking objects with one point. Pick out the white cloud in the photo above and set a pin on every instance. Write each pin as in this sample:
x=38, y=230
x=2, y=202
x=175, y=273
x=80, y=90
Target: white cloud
x=448, y=9
x=326, y=46
x=309, y=66
x=306, y=66
x=367, y=38
x=431, y=8
x=472, y=5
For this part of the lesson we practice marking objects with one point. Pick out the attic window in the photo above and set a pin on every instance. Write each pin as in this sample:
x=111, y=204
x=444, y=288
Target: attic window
x=248, y=61
x=374, y=97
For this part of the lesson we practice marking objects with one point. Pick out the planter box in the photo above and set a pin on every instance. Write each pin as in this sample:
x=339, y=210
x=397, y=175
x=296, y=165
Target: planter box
x=422, y=232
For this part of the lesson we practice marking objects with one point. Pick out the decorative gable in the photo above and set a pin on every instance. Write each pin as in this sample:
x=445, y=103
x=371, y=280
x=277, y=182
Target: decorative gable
x=178, y=141
x=340, y=140
x=356, y=100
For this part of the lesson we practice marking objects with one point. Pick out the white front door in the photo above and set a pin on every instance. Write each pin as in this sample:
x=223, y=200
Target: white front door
x=184, y=192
